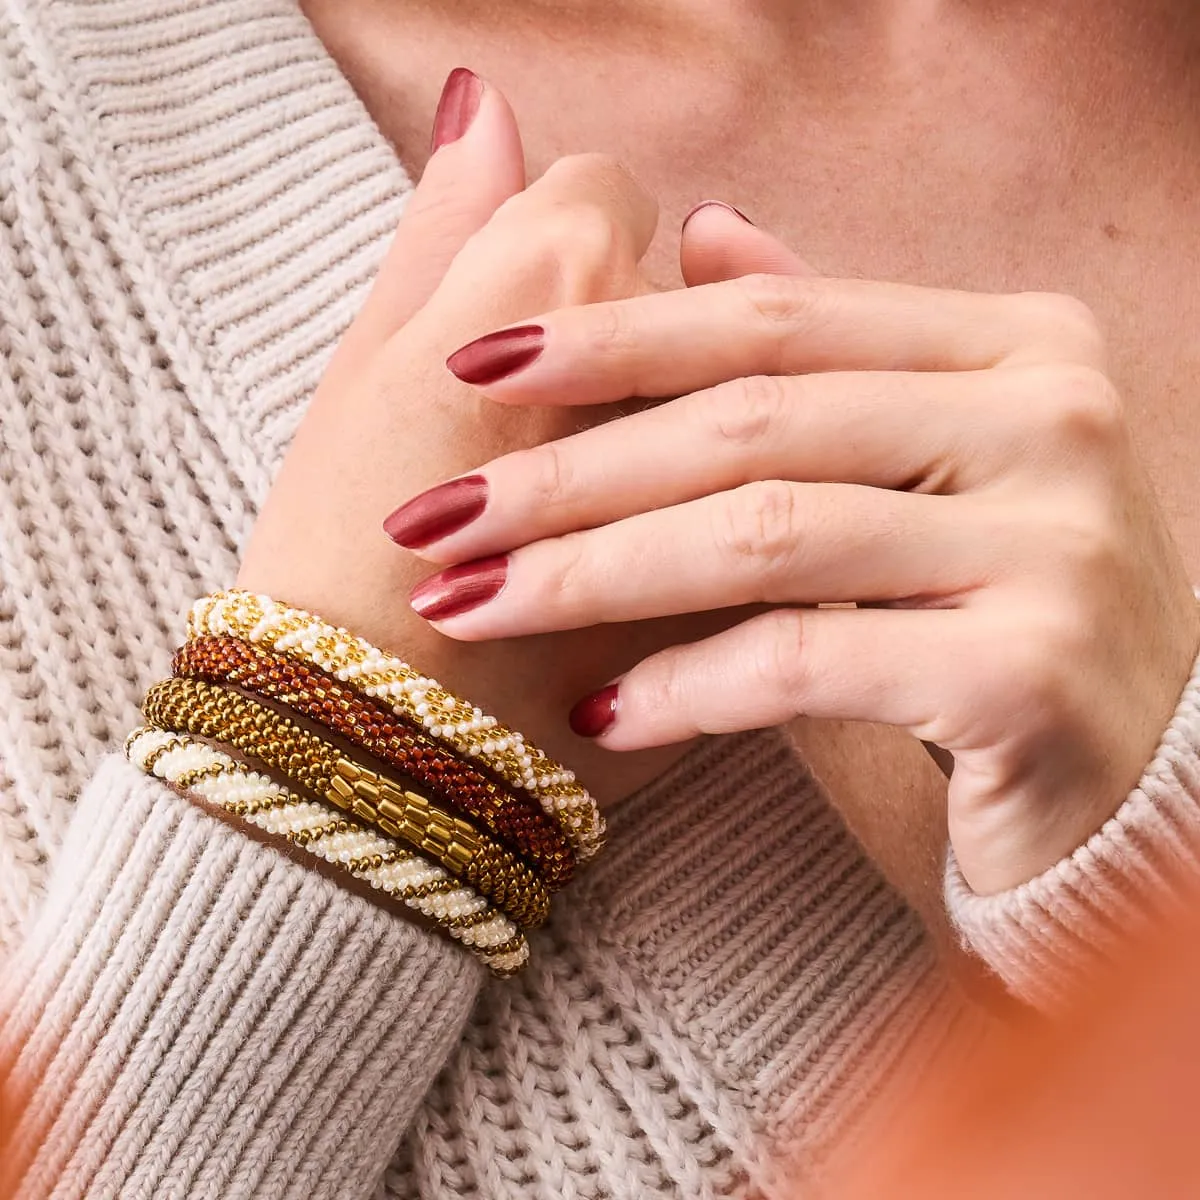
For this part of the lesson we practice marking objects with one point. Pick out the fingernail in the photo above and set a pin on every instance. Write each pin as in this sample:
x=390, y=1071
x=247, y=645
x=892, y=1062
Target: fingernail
x=737, y=212
x=457, y=107
x=498, y=355
x=595, y=713
x=437, y=513
x=458, y=590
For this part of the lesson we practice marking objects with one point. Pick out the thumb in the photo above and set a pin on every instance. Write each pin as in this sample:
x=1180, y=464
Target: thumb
x=719, y=242
x=477, y=163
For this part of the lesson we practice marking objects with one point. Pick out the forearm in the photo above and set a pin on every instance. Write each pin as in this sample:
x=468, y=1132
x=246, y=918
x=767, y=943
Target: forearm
x=194, y=1012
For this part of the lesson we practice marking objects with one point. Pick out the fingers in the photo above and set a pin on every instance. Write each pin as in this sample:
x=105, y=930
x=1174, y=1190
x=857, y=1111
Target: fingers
x=719, y=242
x=576, y=234
x=896, y=430
x=478, y=165
x=890, y=667
x=769, y=542
x=671, y=343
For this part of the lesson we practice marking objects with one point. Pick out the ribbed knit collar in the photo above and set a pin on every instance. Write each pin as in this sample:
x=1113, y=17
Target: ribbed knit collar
x=261, y=193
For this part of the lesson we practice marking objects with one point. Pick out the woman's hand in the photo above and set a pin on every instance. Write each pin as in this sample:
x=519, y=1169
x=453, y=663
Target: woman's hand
x=957, y=465
x=474, y=249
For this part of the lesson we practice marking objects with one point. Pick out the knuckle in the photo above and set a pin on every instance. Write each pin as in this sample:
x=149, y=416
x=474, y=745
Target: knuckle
x=549, y=476
x=579, y=232
x=667, y=685
x=573, y=235
x=1013, y=681
x=758, y=529
x=581, y=198
x=774, y=299
x=608, y=330
x=749, y=411
x=780, y=663
x=562, y=585
x=1027, y=677
x=1066, y=320
x=1079, y=405
x=580, y=246
x=1091, y=550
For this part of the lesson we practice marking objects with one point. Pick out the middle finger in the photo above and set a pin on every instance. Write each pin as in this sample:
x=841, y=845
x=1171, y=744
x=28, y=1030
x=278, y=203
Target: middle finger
x=772, y=542
x=897, y=430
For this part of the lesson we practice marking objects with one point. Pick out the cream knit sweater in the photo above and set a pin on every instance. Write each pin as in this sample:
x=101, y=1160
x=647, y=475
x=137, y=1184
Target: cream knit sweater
x=192, y=203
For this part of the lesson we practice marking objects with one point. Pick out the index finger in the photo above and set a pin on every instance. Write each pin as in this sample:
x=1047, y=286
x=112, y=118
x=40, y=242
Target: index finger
x=671, y=343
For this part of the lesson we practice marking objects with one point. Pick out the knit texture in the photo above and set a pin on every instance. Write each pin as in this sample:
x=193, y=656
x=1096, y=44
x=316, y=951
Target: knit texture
x=192, y=204
x=192, y=1014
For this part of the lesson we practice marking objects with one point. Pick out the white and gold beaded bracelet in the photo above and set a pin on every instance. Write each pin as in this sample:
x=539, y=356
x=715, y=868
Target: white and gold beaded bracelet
x=375, y=859
x=410, y=695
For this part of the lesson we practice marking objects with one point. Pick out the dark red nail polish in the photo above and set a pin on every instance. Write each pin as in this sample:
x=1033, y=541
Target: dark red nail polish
x=457, y=108
x=498, y=355
x=595, y=713
x=457, y=590
x=437, y=513
x=737, y=212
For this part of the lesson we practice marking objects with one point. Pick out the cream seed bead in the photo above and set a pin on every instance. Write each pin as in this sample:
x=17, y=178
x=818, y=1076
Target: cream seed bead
x=490, y=933
x=506, y=964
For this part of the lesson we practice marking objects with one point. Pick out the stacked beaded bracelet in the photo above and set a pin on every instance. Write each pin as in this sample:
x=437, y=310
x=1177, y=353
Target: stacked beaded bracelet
x=308, y=762
x=395, y=781
x=513, y=816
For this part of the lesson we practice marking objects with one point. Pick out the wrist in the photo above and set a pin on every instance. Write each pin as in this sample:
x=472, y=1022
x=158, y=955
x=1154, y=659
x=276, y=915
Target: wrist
x=346, y=569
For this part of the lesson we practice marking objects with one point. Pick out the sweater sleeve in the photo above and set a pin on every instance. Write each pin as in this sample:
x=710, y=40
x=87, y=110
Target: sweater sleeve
x=196, y=1014
x=1041, y=936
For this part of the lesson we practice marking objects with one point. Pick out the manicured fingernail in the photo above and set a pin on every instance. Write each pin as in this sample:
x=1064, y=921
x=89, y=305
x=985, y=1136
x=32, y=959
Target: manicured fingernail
x=498, y=355
x=595, y=713
x=458, y=590
x=437, y=513
x=737, y=212
x=457, y=107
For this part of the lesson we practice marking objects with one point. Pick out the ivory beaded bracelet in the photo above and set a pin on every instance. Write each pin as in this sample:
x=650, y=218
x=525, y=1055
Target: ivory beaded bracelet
x=365, y=854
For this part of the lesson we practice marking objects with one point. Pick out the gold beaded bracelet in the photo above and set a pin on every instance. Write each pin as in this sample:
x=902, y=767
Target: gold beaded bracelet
x=207, y=710
x=212, y=776
x=411, y=696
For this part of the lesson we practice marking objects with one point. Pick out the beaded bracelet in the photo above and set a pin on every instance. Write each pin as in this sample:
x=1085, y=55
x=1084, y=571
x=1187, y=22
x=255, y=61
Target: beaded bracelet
x=512, y=816
x=207, y=710
x=411, y=696
x=254, y=798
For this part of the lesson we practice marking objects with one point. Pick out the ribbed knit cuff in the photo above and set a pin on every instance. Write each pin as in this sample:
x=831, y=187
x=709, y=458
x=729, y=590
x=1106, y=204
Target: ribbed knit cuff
x=1042, y=936
x=196, y=1014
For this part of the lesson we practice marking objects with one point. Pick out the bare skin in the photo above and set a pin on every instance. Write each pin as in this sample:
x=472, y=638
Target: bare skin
x=955, y=145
